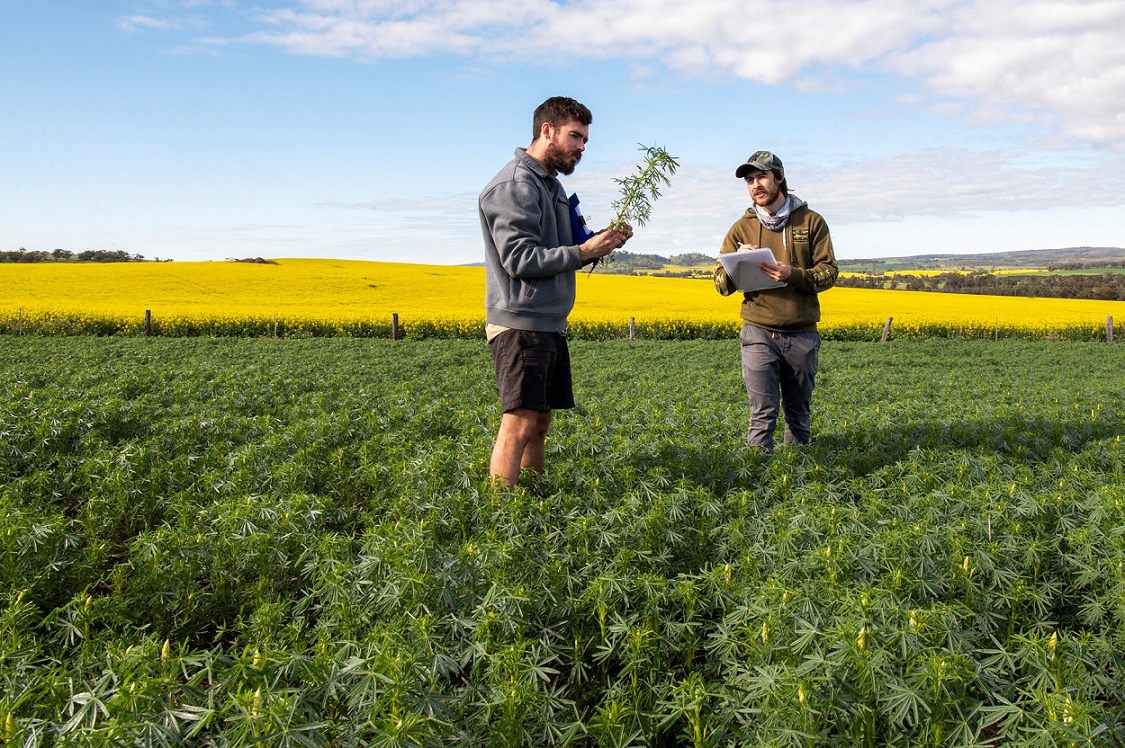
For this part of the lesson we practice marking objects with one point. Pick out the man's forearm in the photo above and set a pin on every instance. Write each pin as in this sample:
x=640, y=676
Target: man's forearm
x=527, y=261
x=723, y=283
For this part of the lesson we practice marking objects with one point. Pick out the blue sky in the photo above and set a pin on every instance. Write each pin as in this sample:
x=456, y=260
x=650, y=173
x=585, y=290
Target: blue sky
x=364, y=129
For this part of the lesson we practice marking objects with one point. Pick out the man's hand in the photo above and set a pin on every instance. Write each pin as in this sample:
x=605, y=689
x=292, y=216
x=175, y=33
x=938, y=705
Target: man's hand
x=778, y=271
x=604, y=243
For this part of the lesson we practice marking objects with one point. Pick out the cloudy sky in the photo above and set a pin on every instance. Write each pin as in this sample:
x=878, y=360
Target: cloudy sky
x=364, y=129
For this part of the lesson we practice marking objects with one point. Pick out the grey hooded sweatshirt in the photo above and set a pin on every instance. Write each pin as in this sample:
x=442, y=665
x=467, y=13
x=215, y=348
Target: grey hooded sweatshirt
x=529, y=256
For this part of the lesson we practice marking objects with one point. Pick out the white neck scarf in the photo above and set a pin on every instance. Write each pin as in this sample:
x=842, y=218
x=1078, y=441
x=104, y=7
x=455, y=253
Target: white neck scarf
x=775, y=221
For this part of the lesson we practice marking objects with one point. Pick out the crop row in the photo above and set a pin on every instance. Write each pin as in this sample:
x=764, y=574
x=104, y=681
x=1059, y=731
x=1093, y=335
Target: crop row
x=293, y=542
x=62, y=323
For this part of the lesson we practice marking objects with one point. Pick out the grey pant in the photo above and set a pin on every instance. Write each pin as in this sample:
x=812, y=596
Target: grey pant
x=779, y=366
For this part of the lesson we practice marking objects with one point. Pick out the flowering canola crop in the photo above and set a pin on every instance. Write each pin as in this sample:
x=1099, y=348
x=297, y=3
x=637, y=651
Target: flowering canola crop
x=357, y=298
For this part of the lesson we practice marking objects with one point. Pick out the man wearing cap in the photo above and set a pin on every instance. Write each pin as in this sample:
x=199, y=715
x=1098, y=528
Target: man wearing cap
x=780, y=342
x=530, y=261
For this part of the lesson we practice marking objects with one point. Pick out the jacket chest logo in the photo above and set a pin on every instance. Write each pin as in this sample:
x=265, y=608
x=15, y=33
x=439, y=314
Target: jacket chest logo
x=800, y=235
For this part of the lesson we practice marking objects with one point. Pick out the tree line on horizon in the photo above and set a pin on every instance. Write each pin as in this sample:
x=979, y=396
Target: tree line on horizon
x=1098, y=286
x=65, y=255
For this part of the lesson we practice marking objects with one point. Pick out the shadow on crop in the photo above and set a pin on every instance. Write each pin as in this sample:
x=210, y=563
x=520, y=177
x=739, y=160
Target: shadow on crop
x=1027, y=440
x=854, y=452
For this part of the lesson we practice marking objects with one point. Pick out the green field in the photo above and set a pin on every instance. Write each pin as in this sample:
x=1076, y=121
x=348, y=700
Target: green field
x=240, y=542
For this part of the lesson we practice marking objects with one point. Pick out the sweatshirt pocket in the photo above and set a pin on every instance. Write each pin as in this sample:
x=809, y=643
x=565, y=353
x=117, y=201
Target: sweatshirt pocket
x=525, y=293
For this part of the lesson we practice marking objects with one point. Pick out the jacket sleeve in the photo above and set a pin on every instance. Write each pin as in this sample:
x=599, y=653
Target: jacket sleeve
x=513, y=215
x=723, y=283
x=822, y=275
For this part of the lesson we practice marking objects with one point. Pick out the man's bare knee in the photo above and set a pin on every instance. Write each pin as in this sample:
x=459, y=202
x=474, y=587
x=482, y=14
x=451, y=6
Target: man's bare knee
x=522, y=426
x=542, y=424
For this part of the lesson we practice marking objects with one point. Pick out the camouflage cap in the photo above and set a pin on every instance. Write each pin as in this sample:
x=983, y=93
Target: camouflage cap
x=762, y=161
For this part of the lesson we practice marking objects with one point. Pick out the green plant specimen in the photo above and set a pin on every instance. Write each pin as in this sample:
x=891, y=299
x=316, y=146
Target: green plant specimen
x=640, y=190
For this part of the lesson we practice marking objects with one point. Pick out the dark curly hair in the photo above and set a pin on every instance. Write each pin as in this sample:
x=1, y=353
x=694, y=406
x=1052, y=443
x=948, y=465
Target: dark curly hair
x=557, y=111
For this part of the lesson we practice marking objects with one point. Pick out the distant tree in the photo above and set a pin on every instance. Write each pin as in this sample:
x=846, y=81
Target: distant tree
x=62, y=254
x=624, y=263
x=22, y=255
x=691, y=258
x=102, y=255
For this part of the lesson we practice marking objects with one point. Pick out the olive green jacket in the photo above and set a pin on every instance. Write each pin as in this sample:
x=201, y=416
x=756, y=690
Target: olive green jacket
x=806, y=246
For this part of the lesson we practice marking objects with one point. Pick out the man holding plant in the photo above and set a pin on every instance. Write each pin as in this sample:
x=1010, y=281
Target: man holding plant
x=780, y=342
x=530, y=265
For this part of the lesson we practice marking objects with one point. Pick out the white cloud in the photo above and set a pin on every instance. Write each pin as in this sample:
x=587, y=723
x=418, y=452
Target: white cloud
x=432, y=220
x=953, y=182
x=137, y=24
x=942, y=185
x=1061, y=58
x=945, y=182
x=169, y=4
x=947, y=188
x=1045, y=62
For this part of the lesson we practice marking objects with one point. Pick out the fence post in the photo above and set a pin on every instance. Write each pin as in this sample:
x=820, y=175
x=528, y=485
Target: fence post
x=275, y=324
x=394, y=326
x=148, y=322
x=632, y=329
x=1109, y=329
x=996, y=330
x=887, y=329
x=19, y=327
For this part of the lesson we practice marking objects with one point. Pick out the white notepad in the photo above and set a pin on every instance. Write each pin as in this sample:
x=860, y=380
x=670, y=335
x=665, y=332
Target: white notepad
x=742, y=267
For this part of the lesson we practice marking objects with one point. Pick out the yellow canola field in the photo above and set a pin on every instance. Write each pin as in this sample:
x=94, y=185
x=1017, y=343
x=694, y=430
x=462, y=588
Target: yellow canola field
x=340, y=292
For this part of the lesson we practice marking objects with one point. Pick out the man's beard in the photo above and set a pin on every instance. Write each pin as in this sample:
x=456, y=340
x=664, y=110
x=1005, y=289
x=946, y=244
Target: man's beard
x=770, y=197
x=556, y=159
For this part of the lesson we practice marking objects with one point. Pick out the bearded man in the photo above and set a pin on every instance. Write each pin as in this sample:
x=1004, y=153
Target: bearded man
x=780, y=342
x=530, y=262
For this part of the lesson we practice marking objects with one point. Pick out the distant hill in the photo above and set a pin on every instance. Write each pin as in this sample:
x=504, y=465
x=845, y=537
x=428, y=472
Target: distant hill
x=1068, y=258
x=688, y=265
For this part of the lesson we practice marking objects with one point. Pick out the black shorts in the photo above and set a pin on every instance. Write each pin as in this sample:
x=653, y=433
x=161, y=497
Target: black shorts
x=532, y=370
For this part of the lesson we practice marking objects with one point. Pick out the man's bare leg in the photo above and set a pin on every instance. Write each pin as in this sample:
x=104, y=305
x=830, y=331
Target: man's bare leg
x=521, y=442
